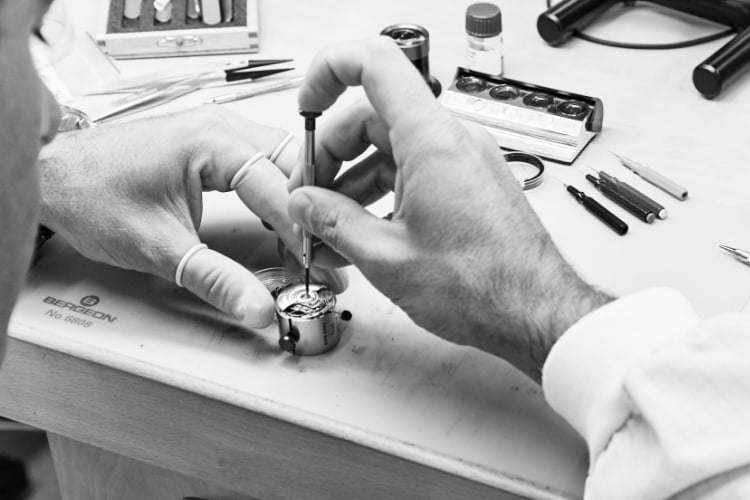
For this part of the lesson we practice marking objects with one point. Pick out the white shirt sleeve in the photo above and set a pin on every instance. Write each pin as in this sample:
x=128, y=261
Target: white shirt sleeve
x=661, y=398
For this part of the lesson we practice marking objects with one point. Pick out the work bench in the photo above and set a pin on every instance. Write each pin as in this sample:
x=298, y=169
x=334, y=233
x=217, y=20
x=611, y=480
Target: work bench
x=161, y=396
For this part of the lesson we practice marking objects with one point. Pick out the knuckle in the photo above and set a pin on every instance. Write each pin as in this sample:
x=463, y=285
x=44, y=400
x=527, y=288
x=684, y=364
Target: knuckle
x=213, y=286
x=209, y=117
x=327, y=223
x=477, y=140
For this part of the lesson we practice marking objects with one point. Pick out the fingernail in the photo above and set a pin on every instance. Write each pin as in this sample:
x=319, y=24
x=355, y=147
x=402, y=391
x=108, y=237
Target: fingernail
x=254, y=315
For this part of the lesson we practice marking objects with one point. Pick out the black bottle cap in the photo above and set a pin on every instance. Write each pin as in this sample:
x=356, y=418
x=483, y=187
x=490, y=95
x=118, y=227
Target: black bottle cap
x=483, y=20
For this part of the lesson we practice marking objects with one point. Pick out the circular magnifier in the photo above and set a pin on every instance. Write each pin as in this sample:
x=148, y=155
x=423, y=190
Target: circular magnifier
x=407, y=36
x=471, y=84
x=414, y=42
x=504, y=92
x=538, y=100
x=573, y=109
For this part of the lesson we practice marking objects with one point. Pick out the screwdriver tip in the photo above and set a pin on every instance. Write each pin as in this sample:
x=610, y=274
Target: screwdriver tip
x=727, y=248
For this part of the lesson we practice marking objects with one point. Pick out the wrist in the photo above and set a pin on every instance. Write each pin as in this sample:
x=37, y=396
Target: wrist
x=530, y=309
x=554, y=313
x=54, y=168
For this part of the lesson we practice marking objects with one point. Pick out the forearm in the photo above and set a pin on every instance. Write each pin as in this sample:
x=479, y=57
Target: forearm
x=59, y=178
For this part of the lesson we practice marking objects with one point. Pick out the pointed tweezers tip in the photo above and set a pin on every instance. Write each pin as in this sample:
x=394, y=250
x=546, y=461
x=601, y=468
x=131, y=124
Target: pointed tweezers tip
x=259, y=63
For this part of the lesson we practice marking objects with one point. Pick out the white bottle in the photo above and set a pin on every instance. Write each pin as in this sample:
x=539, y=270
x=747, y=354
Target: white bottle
x=484, y=36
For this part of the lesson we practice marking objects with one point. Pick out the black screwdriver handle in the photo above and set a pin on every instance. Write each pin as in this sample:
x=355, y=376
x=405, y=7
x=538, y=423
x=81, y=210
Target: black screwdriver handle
x=613, y=194
x=641, y=199
x=601, y=213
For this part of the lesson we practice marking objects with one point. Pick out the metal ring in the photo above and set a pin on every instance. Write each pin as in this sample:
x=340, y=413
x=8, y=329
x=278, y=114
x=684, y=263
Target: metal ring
x=531, y=160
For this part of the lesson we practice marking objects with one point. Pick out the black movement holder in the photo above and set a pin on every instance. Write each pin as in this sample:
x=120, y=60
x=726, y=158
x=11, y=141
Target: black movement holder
x=521, y=116
x=710, y=77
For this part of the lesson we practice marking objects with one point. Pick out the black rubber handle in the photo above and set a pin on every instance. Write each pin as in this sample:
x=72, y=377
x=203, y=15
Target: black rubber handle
x=611, y=220
x=610, y=192
x=614, y=222
x=712, y=75
x=734, y=13
x=558, y=23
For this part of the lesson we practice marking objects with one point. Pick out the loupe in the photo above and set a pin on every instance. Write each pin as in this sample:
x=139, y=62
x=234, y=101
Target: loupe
x=414, y=42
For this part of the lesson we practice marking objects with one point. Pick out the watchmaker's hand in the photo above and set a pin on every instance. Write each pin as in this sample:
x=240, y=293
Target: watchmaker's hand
x=130, y=195
x=464, y=254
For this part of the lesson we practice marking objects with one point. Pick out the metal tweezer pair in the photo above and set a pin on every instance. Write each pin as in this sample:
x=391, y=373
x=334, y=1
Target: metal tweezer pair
x=166, y=89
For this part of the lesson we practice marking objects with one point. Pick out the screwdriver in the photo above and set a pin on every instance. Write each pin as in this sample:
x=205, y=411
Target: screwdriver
x=634, y=195
x=308, y=179
x=739, y=254
x=613, y=194
x=604, y=215
x=649, y=174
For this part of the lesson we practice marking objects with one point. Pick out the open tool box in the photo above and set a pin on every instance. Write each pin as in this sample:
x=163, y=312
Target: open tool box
x=123, y=37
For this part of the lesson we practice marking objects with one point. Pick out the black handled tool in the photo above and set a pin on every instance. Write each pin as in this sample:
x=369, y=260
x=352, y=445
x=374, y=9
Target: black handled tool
x=601, y=213
x=613, y=194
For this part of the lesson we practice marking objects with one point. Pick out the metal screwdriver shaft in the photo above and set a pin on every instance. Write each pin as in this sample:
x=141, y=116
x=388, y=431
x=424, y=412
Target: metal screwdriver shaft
x=308, y=179
x=739, y=254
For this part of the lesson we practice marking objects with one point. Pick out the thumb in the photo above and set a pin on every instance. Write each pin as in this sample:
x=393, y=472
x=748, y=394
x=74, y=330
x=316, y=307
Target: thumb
x=344, y=225
x=228, y=286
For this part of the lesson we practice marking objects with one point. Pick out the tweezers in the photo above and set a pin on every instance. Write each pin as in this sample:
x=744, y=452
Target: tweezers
x=152, y=80
x=169, y=89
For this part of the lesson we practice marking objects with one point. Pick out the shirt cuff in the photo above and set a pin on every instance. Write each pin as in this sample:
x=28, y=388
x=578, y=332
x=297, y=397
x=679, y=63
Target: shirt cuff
x=583, y=375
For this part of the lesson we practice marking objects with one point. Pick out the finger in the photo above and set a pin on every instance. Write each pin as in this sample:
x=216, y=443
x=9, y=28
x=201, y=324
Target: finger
x=394, y=87
x=229, y=141
x=346, y=227
x=343, y=137
x=262, y=188
x=366, y=182
x=229, y=287
x=286, y=154
x=369, y=180
x=262, y=137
